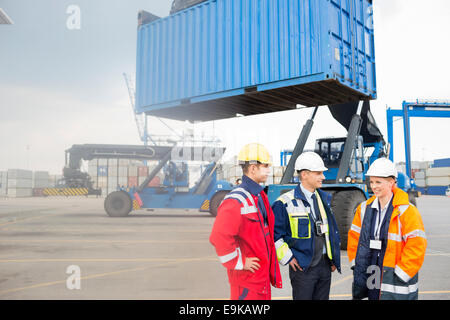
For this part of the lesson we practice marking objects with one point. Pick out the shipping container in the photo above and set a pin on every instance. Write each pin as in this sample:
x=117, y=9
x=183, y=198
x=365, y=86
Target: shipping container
x=20, y=174
x=102, y=170
x=41, y=175
x=420, y=182
x=41, y=183
x=132, y=182
x=436, y=190
x=20, y=192
x=419, y=175
x=438, y=172
x=143, y=171
x=438, y=181
x=20, y=183
x=223, y=57
x=132, y=171
x=438, y=163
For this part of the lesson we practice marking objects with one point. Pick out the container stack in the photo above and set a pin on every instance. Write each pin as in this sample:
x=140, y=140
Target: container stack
x=278, y=174
x=438, y=177
x=19, y=183
x=431, y=177
x=419, y=173
x=110, y=174
x=230, y=172
x=41, y=180
x=3, y=183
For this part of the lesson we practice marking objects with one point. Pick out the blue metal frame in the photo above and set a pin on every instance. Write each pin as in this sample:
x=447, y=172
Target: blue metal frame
x=423, y=109
x=283, y=157
x=172, y=198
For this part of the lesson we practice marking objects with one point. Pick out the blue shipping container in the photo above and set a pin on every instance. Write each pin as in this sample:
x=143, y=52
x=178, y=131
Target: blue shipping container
x=223, y=57
x=439, y=163
x=436, y=190
x=102, y=171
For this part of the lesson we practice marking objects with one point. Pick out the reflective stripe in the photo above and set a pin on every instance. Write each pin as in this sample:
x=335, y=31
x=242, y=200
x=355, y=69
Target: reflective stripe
x=402, y=274
x=284, y=254
x=325, y=222
x=363, y=211
x=239, y=264
x=228, y=257
x=355, y=228
x=394, y=237
x=246, y=208
x=249, y=196
x=402, y=208
x=286, y=197
x=295, y=213
x=415, y=233
x=399, y=289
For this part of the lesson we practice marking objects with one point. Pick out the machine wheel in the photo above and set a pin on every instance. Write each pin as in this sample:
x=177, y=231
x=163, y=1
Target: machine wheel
x=344, y=204
x=118, y=204
x=215, y=202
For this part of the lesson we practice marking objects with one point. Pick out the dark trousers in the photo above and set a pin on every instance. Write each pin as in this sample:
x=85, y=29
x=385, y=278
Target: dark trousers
x=313, y=284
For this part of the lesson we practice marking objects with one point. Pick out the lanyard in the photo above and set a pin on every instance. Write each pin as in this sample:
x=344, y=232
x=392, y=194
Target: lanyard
x=378, y=220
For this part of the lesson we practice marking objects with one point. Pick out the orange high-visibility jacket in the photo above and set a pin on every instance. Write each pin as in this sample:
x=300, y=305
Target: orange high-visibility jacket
x=405, y=250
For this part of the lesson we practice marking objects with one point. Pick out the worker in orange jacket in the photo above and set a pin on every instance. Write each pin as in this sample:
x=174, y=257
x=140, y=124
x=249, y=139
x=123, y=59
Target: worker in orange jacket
x=243, y=232
x=386, y=242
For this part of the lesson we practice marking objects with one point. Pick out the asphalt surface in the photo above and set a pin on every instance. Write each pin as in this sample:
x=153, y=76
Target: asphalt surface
x=68, y=248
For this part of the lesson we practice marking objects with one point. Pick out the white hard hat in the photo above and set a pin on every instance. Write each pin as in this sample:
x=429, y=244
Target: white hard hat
x=382, y=167
x=310, y=161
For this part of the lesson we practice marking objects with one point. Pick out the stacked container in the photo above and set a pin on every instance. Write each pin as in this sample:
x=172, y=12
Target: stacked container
x=231, y=171
x=438, y=177
x=278, y=174
x=19, y=183
x=3, y=183
x=110, y=174
x=41, y=180
x=430, y=177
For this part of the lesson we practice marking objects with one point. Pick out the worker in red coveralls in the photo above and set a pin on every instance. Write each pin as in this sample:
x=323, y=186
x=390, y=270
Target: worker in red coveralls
x=243, y=231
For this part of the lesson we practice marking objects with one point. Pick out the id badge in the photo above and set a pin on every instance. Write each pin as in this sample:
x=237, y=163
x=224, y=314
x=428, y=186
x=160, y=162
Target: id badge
x=324, y=228
x=375, y=244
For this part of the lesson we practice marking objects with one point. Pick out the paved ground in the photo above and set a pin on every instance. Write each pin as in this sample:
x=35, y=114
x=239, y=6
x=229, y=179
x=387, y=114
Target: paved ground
x=163, y=254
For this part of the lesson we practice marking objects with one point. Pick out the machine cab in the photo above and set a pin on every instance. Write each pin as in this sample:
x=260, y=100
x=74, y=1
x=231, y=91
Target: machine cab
x=331, y=151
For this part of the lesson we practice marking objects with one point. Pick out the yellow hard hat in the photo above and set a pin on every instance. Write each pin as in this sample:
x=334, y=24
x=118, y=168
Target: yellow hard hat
x=254, y=153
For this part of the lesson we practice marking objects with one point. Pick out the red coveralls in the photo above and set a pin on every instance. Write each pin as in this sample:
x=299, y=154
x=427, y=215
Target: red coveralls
x=240, y=231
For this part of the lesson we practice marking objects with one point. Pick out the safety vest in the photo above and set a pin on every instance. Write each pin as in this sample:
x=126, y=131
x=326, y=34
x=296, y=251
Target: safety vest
x=299, y=214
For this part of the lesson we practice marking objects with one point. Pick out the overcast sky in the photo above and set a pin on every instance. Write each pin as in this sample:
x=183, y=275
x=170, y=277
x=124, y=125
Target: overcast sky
x=60, y=87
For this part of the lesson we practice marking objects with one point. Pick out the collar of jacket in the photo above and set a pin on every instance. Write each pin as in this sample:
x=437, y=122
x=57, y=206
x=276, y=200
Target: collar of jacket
x=250, y=185
x=400, y=198
x=298, y=193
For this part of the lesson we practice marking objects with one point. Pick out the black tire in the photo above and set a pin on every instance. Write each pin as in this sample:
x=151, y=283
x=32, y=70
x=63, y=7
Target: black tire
x=118, y=204
x=215, y=202
x=344, y=204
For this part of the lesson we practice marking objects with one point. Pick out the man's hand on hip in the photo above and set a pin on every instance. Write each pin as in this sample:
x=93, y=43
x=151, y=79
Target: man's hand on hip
x=251, y=264
x=294, y=264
